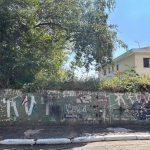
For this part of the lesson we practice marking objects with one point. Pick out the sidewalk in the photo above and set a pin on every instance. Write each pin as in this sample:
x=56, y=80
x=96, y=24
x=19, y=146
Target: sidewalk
x=78, y=133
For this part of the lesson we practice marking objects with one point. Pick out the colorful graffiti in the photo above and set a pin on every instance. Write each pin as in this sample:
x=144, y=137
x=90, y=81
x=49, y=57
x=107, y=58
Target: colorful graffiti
x=83, y=107
x=130, y=107
x=141, y=108
x=25, y=102
x=66, y=106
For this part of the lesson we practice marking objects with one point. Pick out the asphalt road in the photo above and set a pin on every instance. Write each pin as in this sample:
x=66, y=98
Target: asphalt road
x=111, y=145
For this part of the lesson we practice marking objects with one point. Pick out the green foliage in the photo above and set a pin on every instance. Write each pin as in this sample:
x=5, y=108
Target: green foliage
x=14, y=59
x=69, y=83
x=26, y=51
x=128, y=81
x=36, y=34
x=84, y=25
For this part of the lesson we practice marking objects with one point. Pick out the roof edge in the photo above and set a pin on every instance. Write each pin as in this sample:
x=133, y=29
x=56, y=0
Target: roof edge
x=132, y=51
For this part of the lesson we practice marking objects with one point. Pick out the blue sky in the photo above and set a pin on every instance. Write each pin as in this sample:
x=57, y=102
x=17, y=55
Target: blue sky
x=133, y=20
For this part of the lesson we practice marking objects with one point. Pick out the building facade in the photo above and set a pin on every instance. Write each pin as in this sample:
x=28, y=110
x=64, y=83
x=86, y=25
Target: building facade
x=138, y=58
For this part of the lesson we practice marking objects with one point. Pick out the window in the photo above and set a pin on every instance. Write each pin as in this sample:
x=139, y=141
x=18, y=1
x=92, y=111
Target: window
x=117, y=67
x=146, y=62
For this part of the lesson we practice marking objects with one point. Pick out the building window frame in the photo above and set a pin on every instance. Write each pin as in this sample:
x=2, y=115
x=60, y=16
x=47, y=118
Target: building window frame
x=117, y=67
x=146, y=62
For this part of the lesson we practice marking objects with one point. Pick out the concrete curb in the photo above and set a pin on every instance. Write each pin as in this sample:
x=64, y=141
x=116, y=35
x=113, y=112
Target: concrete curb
x=143, y=137
x=18, y=141
x=53, y=141
x=119, y=137
x=75, y=140
x=87, y=139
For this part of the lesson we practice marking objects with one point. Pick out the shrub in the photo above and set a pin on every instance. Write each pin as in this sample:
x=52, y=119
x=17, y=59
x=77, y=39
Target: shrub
x=128, y=81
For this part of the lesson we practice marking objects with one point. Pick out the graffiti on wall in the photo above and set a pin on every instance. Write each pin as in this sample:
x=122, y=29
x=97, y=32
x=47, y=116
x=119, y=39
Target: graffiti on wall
x=74, y=106
x=83, y=98
x=103, y=98
x=25, y=102
x=135, y=106
x=70, y=106
x=11, y=103
x=141, y=107
x=75, y=109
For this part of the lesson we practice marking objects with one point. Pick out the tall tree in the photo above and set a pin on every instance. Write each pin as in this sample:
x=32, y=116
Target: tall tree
x=84, y=24
x=24, y=50
x=35, y=35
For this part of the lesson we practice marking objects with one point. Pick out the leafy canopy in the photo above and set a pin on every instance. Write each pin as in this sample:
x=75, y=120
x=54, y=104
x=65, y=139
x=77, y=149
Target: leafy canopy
x=35, y=36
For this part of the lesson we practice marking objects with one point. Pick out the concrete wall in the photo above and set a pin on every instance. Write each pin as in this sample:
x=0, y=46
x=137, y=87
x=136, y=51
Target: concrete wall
x=73, y=107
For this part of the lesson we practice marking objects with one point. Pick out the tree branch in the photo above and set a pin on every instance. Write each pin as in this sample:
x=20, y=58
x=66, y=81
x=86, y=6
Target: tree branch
x=50, y=24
